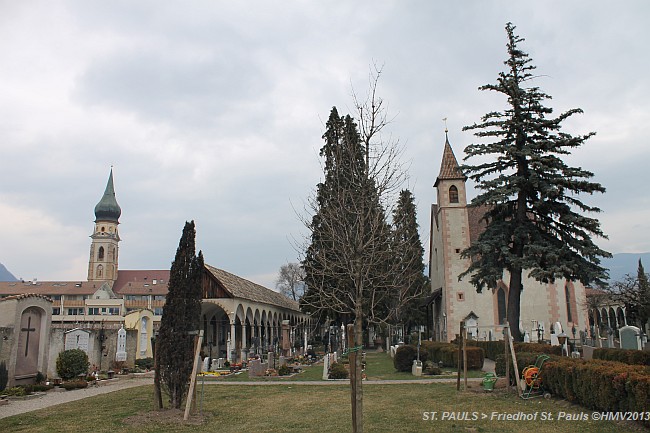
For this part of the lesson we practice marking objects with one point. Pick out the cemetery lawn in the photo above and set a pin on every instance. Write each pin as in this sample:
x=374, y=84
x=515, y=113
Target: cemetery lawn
x=288, y=408
x=379, y=366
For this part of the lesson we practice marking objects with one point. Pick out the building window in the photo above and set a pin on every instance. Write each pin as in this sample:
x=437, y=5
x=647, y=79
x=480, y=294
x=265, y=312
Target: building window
x=100, y=254
x=567, y=294
x=56, y=311
x=93, y=311
x=453, y=194
x=75, y=311
x=501, y=306
x=114, y=311
x=159, y=297
x=460, y=296
x=158, y=311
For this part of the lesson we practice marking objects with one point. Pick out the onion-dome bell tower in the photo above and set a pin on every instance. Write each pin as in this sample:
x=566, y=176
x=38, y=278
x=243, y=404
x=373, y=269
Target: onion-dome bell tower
x=104, y=247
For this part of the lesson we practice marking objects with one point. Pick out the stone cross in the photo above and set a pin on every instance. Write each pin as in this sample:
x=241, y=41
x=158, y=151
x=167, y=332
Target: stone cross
x=28, y=330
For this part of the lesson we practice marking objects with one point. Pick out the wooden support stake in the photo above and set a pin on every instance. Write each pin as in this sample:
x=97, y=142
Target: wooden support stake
x=514, y=364
x=460, y=355
x=505, y=348
x=465, y=358
x=195, y=367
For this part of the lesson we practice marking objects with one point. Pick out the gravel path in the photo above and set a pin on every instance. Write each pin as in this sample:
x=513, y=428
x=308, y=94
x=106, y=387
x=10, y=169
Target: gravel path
x=16, y=407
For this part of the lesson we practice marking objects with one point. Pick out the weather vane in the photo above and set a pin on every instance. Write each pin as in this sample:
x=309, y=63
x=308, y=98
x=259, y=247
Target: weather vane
x=445, y=120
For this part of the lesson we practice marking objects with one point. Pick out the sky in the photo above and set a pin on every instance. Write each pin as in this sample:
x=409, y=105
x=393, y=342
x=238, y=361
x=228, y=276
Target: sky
x=213, y=111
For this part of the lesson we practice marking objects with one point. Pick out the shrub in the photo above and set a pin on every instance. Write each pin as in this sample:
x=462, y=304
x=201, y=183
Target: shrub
x=448, y=354
x=41, y=388
x=16, y=391
x=338, y=371
x=405, y=356
x=4, y=376
x=600, y=385
x=71, y=363
x=284, y=370
x=524, y=359
x=40, y=377
x=77, y=384
x=144, y=363
x=431, y=368
x=632, y=357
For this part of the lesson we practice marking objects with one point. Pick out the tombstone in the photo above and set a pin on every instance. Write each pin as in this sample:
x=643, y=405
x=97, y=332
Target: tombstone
x=557, y=327
x=526, y=337
x=214, y=364
x=326, y=366
x=271, y=359
x=120, y=353
x=256, y=368
x=630, y=337
x=282, y=361
x=554, y=340
x=205, y=365
x=77, y=339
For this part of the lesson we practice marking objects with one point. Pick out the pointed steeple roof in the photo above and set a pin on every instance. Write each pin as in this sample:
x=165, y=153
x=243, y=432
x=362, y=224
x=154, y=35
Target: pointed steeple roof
x=449, y=168
x=107, y=209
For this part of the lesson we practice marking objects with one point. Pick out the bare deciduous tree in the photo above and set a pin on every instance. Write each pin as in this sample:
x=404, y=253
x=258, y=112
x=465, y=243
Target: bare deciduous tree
x=291, y=281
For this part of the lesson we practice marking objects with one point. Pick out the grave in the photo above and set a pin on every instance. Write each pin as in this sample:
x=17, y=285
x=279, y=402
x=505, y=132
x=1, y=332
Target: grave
x=77, y=339
x=120, y=352
x=256, y=368
x=630, y=337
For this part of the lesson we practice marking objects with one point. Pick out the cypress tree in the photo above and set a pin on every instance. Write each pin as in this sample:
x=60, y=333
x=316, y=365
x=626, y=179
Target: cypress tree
x=534, y=222
x=181, y=315
x=411, y=282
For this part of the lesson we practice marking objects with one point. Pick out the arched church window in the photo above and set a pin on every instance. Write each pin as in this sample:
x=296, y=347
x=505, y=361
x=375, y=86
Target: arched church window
x=100, y=271
x=567, y=295
x=453, y=194
x=501, y=305
x=100, y=254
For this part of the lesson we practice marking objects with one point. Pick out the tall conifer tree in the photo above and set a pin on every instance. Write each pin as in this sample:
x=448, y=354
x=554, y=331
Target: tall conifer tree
x=411, y=282
x=181, y=316
x=534, y=222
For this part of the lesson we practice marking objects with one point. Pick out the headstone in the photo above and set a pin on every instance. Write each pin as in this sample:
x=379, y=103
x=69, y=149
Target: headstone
x=588, y=352
x=77, y=339
x=326, y=366
x=630, y=337
x=526, y=337
x=557, y=328
x=205, y=366
x=214, y=365
x=120, y=354
x=286, y=342
x=256, y=368
x=282, y=361
x=271, y=359
x=554, y=340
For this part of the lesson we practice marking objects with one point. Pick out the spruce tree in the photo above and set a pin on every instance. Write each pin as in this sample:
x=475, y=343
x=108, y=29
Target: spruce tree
x=181, y=316
x=411, y=282
x=535, y=221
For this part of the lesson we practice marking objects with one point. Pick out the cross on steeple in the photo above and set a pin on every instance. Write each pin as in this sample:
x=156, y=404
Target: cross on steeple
x=28, y=330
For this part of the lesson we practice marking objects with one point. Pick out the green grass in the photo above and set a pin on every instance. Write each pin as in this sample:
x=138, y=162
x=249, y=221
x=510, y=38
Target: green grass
x=379, y=366
x=286, y=408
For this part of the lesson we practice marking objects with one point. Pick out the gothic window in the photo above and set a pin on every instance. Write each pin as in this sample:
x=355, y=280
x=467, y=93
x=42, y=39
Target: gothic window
x=567, y=295
x=100, y=254
x=100, y=271
x=453, y=194
x=501, y=305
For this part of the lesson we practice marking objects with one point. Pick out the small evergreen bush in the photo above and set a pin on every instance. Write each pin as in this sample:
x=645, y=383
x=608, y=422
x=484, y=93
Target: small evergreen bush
x=631, y=357
x=284, y=370
x=338, y=371
x=71, y=363
x=405, y=356
x=144, y=363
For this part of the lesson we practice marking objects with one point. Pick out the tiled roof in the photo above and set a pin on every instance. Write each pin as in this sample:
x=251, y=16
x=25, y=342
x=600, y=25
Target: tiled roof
x=241, y=288
x=49, y=288
x=141, y=282
x=475, y=222
x=449, y=168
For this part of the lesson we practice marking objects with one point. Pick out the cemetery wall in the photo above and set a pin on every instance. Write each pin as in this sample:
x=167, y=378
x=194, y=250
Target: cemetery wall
x=102, y=359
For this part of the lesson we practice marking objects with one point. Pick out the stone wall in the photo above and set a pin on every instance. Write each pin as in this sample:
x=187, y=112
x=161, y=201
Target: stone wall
x=98, y=358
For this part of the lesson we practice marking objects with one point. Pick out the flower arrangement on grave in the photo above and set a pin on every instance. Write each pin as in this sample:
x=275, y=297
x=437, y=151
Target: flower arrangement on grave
x=270, y=372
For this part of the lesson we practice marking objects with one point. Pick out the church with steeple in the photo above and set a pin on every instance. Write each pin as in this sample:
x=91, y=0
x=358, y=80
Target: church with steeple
x=455, y=224
x=104, y=248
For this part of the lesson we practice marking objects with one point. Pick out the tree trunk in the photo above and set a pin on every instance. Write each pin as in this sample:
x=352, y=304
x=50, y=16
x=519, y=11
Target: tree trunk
x=514, y=303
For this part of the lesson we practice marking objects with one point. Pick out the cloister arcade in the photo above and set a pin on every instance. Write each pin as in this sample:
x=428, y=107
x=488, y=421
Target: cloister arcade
x=241, y=319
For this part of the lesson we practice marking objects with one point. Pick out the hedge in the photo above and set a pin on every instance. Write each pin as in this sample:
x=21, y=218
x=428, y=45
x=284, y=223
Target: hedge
x=448, y=354
x=601, y=385
x=632, y=357
x=495, y=348
x=524, y=359
x=405, y=355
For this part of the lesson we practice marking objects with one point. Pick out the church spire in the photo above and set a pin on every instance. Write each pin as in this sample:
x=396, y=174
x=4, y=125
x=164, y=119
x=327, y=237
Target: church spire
x=449, y=168
x=107, y=209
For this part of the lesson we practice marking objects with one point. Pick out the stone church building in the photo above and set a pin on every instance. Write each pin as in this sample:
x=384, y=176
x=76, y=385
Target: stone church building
x=454, y=226
x=39, y=319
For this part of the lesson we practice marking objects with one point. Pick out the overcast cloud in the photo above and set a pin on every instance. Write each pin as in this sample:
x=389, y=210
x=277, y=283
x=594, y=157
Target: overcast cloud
x=213, y=111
